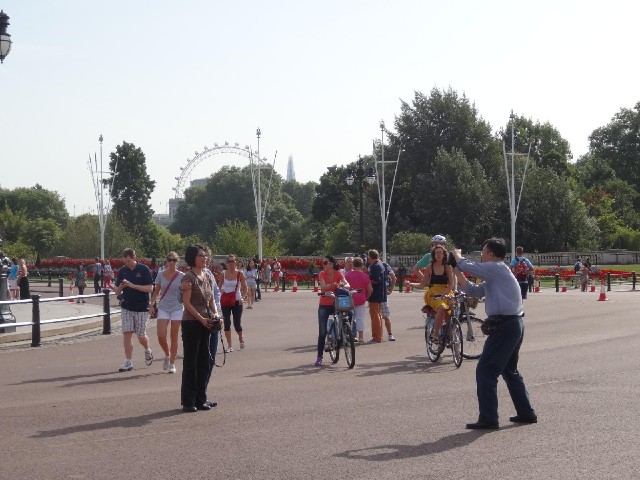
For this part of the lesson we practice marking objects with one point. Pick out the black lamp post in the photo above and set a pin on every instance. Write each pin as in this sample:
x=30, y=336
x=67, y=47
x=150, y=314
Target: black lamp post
x=5, y=38
x=360, y=176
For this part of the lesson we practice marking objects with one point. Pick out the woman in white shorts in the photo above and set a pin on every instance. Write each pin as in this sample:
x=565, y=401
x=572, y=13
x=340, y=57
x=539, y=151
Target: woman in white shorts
x=167, y=300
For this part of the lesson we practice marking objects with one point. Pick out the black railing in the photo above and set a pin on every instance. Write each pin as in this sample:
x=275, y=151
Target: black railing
x=36, y=323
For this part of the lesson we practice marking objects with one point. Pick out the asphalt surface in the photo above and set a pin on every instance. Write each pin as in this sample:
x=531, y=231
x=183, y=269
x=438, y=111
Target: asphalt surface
x=66, y=412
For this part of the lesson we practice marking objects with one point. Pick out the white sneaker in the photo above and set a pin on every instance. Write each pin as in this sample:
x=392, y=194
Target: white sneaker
x=392, y=338
x=172, y=368
x=166, y=363
x=127, y=366
x=148, y=357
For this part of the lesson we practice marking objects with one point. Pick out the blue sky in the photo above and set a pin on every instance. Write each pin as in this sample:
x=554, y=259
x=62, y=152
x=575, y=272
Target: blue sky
x=316, y=77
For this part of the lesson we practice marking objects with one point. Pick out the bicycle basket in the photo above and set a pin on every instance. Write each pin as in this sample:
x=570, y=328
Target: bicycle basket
x=344, y=303
x=472, y=302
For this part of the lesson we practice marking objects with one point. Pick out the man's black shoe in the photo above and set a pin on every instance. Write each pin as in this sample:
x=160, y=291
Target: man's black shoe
x=189, y=409
x=204, y=406
x=519, y=419
x=482, y=426
x=211, y=404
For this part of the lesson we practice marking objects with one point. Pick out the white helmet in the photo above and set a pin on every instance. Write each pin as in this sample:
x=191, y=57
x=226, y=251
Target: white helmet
x=438, y=239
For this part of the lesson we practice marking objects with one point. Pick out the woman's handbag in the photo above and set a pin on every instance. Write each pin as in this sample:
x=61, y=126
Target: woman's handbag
x=82, y=283
x=228, y=299
x=153, y=309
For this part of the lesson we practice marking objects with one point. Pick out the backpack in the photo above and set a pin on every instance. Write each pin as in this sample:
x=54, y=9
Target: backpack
x=521, y=271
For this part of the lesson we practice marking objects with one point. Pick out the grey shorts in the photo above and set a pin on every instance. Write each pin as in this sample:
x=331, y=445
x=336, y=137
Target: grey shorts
x=134, y=322
x=385, y=310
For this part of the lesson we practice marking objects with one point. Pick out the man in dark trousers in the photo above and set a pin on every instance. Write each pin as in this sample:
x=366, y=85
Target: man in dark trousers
x=503, y=305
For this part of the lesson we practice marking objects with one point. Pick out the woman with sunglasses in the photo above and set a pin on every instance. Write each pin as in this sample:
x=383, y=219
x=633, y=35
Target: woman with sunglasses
x=330, y=279
x=168, y=309
x=233, y=281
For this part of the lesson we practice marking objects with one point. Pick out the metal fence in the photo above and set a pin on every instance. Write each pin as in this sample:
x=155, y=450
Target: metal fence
x=36, y=323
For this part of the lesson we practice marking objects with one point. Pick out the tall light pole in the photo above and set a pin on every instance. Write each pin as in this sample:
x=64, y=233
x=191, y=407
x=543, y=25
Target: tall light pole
x=259, y=200
x=360, y=176
x=97, y=176
x=382, y=194
x=514, y=203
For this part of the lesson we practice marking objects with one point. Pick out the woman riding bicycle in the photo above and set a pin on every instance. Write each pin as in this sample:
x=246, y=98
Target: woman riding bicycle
x=441, y=281
x=330, y=279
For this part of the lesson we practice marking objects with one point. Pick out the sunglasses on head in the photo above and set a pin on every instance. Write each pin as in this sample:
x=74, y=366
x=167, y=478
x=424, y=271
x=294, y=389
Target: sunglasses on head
x=326, y=262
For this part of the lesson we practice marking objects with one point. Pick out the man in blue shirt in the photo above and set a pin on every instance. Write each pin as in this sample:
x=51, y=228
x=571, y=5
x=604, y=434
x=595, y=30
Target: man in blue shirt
x=135, y=284
x=378, y=296
x=503, y=306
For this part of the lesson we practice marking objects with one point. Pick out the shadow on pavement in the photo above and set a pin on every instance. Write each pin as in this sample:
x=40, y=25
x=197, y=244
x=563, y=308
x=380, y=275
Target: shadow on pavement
x=128, y=422
x=383, y=453
x=415, y=364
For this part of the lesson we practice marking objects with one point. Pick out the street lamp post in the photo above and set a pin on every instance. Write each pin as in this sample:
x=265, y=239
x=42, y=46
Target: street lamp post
x=5, y=38
x=514, y=203
x=360, y=176
x=382, y=194
x=259, y=202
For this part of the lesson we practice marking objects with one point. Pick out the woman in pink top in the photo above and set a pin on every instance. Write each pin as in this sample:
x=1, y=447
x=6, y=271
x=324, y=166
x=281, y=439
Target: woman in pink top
x=358, y=279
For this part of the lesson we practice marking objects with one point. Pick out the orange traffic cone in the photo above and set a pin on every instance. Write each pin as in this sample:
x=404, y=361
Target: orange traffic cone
x=277, y=287
x=564, y=286
x=71, y=292
x=408, y=289
x=603, y=295
x=536, y=289
x=593, y=285
x=315, y=286
x=294, y=289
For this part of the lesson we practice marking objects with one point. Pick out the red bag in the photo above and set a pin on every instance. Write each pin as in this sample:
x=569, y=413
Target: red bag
x=228, y=299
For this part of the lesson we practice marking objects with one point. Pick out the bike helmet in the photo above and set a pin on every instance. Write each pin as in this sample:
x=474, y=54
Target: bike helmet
x=438, y=239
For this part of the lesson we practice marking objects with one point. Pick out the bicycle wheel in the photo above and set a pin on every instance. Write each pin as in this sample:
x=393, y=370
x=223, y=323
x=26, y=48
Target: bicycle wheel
x=334, y=348
x=455, y=336
x=433, y=352
x=349, y=345
x=473, y=337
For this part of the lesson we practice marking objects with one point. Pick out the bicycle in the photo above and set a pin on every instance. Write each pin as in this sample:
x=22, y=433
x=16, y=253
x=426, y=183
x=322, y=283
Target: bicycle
x=472, y=333
x=340, y=327
x=450, y=334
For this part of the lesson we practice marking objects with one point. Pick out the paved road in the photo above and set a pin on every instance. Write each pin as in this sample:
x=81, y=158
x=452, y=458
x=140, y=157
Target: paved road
x=65, y=411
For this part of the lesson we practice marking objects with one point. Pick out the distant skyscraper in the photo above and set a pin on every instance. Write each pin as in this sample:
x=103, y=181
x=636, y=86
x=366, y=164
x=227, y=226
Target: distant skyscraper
x=291, y=174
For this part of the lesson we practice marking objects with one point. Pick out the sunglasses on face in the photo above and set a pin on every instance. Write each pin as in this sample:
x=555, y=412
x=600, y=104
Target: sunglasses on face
x=230, y=261
x=172, y=259
x=326, y=262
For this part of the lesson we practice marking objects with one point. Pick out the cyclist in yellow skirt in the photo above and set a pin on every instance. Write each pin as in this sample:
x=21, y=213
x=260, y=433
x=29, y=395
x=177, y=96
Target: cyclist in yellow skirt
x=441, y=281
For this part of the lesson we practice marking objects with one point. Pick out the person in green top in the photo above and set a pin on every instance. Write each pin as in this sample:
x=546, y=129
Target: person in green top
x=426, y=259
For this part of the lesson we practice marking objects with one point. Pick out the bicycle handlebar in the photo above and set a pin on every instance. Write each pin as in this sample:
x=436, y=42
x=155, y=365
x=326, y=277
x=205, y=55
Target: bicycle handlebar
x=332, y=295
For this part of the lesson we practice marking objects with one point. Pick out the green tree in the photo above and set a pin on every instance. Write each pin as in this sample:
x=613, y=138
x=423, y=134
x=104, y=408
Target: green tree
x=338, y=240
x=409, y=243
x=442, y=120
x=240, y=238
x=36, y=202
x=131, y=187
x=302, y=195
x=13, y=223
x=543, y=141
x=618, y=143
x=461, y=200
x=551, y=216
x=42, y=235
x=81, y=238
